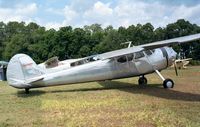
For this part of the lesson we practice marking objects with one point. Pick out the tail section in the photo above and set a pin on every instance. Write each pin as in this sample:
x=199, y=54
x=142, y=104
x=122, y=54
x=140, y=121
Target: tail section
x=22, y=70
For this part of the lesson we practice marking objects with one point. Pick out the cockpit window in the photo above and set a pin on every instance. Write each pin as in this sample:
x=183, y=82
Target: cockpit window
x=122, y=59
x=148, y=52
x=130, y=57
x=139, y=55
x=84, y=61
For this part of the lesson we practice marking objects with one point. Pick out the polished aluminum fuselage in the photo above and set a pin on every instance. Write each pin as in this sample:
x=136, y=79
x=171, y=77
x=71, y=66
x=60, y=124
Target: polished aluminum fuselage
x=23, y=72
x=109, y=69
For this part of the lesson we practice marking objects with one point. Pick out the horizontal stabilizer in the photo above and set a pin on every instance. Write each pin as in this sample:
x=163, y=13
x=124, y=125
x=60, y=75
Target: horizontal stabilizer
x=29, y=81
x=35, y=79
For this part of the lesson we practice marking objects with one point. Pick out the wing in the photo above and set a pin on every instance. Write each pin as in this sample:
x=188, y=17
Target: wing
x=120, y=52
x=152, y=45
x=178, y=40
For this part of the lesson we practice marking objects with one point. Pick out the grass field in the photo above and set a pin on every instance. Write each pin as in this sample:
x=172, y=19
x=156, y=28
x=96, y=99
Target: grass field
x=111, y=103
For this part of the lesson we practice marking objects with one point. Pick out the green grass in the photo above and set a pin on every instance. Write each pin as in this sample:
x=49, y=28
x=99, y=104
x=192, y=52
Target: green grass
x=111, y=103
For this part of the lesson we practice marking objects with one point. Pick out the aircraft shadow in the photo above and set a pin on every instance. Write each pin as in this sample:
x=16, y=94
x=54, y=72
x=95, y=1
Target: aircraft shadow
x=151, y=89
x=154, y=90
x=21, y=93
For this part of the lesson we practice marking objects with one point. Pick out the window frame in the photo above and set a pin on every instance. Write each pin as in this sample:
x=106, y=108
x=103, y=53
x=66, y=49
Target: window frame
x=148, y=52
x=138, y=57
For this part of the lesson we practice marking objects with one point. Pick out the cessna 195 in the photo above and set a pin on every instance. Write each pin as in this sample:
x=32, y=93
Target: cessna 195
x=24, y=73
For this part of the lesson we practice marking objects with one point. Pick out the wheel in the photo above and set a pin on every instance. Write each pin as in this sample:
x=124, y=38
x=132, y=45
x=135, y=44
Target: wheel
x=168, y=83
x=27, y=90
x=142, y=81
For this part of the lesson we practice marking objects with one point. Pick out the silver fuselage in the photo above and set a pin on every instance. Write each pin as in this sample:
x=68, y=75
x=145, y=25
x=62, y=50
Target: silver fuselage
x=107, y=69
x=23, y=72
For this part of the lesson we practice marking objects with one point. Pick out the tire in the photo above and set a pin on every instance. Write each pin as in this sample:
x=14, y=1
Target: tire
x=168, y=83
x=142, y=81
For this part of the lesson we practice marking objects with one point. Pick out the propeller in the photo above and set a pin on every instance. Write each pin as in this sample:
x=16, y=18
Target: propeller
x=178, y=59
x=175, y=68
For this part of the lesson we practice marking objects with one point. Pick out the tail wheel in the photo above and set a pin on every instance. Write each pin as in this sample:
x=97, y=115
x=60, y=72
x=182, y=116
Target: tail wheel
x=168, y=83
x=142, y=81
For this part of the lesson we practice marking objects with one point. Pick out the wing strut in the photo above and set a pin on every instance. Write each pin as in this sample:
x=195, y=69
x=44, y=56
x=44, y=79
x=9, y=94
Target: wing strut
x=167, y=83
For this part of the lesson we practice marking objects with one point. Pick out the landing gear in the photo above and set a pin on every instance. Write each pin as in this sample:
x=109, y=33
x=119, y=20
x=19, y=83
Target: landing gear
x=27, y=90
x=142, y=81
x=167, y=83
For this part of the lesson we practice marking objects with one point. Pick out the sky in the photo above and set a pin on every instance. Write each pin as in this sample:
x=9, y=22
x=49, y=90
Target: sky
x=78, y=13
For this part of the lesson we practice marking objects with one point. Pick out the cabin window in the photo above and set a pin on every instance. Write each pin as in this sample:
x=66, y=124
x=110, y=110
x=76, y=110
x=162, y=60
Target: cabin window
x=122, y=59
x=73, y=64
x=77, y=63
x=84, y=61
x=90, y=59
x=130, y=57
x=148, y=52
x=81, y=62
x=139, y=55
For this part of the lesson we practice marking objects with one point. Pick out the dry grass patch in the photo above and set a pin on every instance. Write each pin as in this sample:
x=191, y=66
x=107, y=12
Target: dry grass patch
x=111, y=103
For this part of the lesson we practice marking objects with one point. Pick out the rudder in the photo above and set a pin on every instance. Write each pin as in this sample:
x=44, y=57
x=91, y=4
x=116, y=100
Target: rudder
x=20, y=69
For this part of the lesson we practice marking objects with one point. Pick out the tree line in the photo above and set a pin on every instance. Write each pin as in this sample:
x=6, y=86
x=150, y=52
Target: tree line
x=68, y=42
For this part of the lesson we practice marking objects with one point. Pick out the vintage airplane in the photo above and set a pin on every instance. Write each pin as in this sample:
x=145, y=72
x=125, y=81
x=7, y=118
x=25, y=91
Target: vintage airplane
x=24, y=73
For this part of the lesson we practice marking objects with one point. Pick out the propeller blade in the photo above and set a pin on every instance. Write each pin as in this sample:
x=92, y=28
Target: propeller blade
x=175, y=68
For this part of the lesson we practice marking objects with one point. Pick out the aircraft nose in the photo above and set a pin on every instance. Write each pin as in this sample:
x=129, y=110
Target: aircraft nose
x=172, y=56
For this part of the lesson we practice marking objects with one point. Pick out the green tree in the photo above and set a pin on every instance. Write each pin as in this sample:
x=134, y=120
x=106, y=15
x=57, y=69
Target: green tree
x=66, y=43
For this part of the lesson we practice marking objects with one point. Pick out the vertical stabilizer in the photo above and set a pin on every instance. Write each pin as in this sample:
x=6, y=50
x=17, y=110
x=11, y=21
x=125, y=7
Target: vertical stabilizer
x=21, y=69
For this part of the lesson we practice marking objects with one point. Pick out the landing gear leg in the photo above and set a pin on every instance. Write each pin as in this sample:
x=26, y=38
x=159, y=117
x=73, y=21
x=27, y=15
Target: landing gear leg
x=167, y=83
x=27, y=90
x=142, y=80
